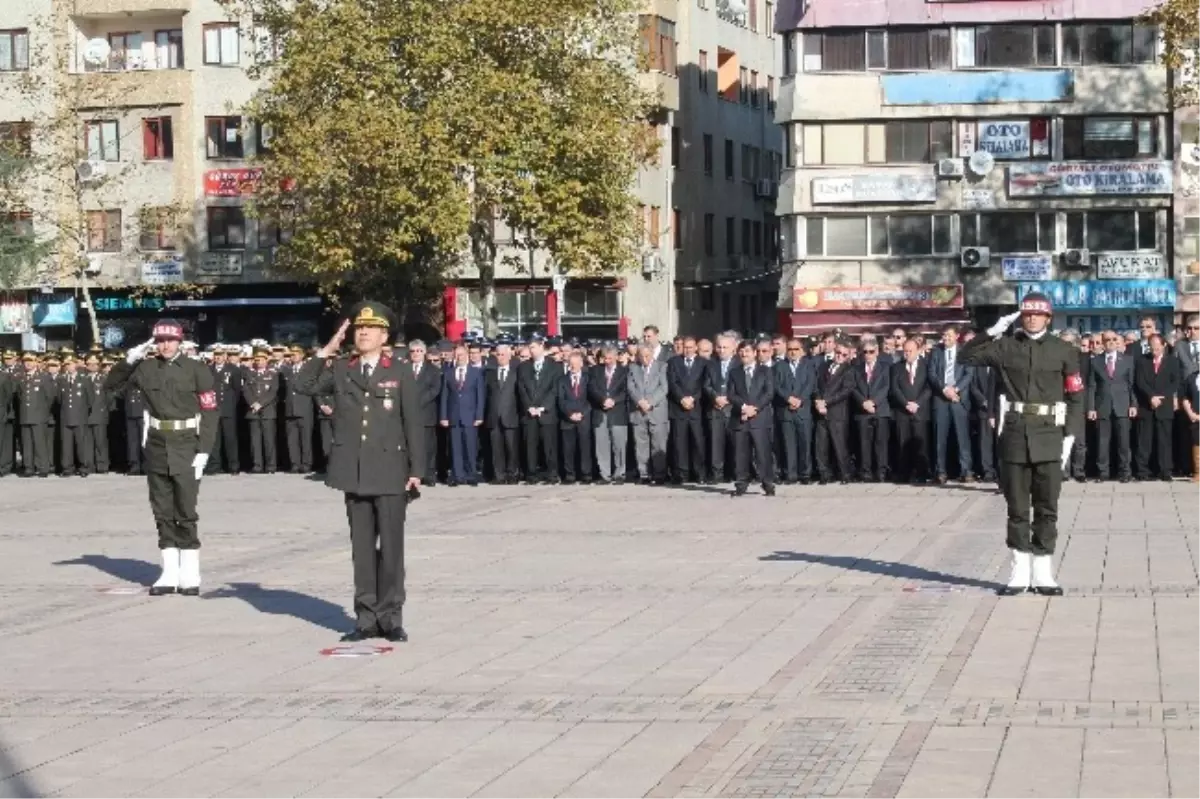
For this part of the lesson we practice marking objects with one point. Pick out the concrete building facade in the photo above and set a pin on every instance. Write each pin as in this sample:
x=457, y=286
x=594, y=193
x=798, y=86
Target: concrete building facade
x=944, y=158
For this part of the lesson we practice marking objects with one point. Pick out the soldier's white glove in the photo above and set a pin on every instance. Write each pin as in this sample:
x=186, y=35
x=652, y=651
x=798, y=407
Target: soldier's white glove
x=1001, y=327
x=199, y=462
x=138, y=352
x=1068, y=442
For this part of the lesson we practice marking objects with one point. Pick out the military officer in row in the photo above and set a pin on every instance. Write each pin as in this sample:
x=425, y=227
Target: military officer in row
x=36, y=394
x=1042, y=402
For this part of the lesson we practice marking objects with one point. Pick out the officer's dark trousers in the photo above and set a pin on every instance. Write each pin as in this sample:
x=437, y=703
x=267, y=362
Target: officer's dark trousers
x=325, y=430
x=262, y=444
x=987, y=446
x=873, y=435
x=173, y=486
x=832, y=433
x=912, y=435
x=1153, y=435
x=431, y=454
x=1105, y=427
x=718, y=445
x=795, y=435
x=946, y=416
x=299, y=443
x=35, y=448
x=8, y=446
x=75, y=451
x=689, y=446
x=225, y=452
x=544, y=439
x=577, y=448
x=98, y=438
x=133, y=444
x=506, y=460
x=464, y=452
x=746, y=438
x=378, y=573
x=1036, y=484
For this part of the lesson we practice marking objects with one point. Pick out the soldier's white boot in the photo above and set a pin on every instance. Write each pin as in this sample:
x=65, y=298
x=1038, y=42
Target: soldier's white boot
x=1043, y=576
x=1019, y=579
x=189, y=572
x=168, y=581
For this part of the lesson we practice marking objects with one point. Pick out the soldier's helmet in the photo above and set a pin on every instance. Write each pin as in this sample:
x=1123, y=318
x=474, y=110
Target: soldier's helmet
x=168, y=329
x=1036, y=303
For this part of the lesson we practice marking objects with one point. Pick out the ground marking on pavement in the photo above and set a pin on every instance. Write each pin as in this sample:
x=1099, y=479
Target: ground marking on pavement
x=356, y=651
x=122, y=590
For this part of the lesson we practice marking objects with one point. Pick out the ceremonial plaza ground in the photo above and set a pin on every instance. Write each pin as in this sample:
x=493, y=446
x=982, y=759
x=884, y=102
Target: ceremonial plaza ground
x=600, y=641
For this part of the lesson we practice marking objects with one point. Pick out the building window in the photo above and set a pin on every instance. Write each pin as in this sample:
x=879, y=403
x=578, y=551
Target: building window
x=835, y=51
x=157, y=230
x=757, y=236
x=729, y=166
x=222, y=44
x=226, y=228
x=273, y=232
x=702, y=64
x=710, y=233
x=1013, y=231
x=730, y=235
x=896, y=235
x=103, y=140
x=1109, y=43
x=168, y=49
x=658, y=43
x=769, y=14
x=16, y=139
x=708, y=154
x=224, y=137
x=918, y=142
x=676, y=146
x=753, y=89
x=1006, y=46
x=14, y=50
x=267, y=46
x=770, y=93
x=743, y=85
x=747, y=170
x=16, y=225
x=752, y=15
x=1113, y=231
x=157, y=141
x=125, y=51
x=747, y=237
x=728, y=75
x=1110, y=137
x=104, y=231
x=790, y=62
x=653, y=226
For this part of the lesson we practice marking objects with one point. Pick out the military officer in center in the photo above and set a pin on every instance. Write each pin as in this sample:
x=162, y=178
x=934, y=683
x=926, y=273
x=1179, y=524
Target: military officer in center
x=1043, y=401
x=377, y=459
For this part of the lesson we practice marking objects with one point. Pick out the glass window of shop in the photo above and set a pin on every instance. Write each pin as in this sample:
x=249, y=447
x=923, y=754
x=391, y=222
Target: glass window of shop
x=591, y=312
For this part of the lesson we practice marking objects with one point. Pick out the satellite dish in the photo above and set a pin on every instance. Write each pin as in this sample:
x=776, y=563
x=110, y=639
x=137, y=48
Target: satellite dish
x=981, y=162
x=1191, y=154
x=736, y=6
x=95, y=52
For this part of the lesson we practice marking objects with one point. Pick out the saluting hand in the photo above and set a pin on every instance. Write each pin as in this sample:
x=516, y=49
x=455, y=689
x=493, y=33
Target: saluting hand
x=335, y=344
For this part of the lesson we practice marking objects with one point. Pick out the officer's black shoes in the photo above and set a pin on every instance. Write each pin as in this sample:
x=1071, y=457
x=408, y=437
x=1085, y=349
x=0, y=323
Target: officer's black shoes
x=396, y=635
x=769, y=490
x=1126, y=478
x=739, y=489
x=1012, y=590
x=1048, y=590
x=360, y=634
x=1079, y=478
x=968, y=478
x=162, y=590
x=941, y=479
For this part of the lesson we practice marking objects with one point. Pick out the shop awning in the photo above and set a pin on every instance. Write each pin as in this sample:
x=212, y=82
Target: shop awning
x=236, y=302
x=914, y=320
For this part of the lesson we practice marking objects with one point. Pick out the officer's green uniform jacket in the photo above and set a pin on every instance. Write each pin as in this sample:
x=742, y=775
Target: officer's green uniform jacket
x=1040, y=371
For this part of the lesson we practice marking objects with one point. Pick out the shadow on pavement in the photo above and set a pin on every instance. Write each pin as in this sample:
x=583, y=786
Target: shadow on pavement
x=885, y=568
x=128, y=569
x=282, y=602
x=12, y=783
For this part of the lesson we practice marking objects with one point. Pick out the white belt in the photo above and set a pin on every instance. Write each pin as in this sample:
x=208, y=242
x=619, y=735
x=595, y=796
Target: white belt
x=173, y=424
x=1058, y=410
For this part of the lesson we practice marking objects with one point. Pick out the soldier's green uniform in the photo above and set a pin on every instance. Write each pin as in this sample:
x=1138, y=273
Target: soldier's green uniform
x=181, y=404
x=1036, y=374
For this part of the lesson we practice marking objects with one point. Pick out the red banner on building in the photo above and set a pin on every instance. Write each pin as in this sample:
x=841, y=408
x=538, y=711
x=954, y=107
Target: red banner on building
x=239, y=182
x=876, y=298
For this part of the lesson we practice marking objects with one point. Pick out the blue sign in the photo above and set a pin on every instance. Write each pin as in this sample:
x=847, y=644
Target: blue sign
x=977, y=87
x=50, y=311
x=1104, y=294
x=110, y=304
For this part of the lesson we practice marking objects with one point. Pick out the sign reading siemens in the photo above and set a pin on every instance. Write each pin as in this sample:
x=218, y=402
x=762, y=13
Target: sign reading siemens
x=1075, y=178
x=1106, y=294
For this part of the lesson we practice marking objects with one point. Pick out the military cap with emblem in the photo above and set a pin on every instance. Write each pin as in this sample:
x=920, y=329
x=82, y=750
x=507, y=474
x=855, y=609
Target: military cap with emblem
x=261, y=352
x=296, y=349
x=29, y=356
x=372, y=314
x=1036, y=303
x=167, y=329
x=51, y=359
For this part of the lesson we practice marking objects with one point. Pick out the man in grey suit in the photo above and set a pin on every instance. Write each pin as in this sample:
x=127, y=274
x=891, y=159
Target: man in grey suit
x=648, y=415
x=951, y=383
x=1111, y=404
x=608, y=384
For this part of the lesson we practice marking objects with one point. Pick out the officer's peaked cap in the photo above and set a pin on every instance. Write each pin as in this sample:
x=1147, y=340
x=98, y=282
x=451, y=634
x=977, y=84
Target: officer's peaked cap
x=373, y=314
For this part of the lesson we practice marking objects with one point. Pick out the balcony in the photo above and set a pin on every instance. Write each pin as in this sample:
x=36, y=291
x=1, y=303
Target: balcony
x=155, y=87
x=663, y=86
x=127, y=8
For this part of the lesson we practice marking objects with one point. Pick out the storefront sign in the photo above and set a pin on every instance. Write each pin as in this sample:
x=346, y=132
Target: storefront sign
x=220, y=264
x=49, y=311
x=1104, y=294
x=882, y=188
x=1095, y=323
x=240, y=182
x=875, y=298
x=1005, y=138
x=1025, y=267
x=1115, y=266
x=15, y=317
x=1081, y=179
x=979, y=199
x=162, y=273
x=115, y=304
x=239, y=302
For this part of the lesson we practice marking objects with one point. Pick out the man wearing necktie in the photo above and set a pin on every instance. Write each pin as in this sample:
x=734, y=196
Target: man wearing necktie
x=462, y=409
x=951, y=382
x=685, y=388
x=648, y=415
x=537, y=387
x=575, y=419
x=608, y=393
x=1156, y=381
x=428, y=377
x=73, y=411
x=719, y=408
x=795, y=382
x=1112, y=405
x=503, y=417
x=751, y=392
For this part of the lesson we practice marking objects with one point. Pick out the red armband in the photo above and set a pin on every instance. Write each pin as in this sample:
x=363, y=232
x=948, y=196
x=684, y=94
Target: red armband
x=1074, y=383
x=208, y=400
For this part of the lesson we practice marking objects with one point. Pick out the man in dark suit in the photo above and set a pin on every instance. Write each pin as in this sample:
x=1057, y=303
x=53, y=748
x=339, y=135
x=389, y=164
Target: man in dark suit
x=428, y=377
x=133, y=407
x=1078, y=462
x=951, y=383
x=74, y=409
x=464, y=400
x=260, y=390
x=377, y=460
x=750, y=393
x=832, y=402
x=1156, y=381
x=1147, y=327
x=685, y=388
x=609, y=395
x=537, y=387
x=575, y=421
x=873, y=417
x=911, y=395
x=1112, y=405
x=983, y=417
x=503, y=417
x=299, y=415
x=795, y=382
x=227, y=380
x=718, y=408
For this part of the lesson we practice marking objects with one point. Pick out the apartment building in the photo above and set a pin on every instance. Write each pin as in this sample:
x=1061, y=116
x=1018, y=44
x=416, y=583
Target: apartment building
x=709, y=254
x=942, y=159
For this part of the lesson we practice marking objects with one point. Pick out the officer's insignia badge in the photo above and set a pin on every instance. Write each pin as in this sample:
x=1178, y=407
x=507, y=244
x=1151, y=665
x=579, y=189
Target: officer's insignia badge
x=389, y=383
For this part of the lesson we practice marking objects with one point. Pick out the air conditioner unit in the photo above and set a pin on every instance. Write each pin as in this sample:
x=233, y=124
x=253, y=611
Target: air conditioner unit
x=765, y=188
x=649, y=264
x=93, y=266
x=1077, y=259
x=91, y=171
x=950, y=168
x=975, y=257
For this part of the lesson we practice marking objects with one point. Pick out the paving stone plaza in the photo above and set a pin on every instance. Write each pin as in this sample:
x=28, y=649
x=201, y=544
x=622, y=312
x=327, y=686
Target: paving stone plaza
x=602, y=641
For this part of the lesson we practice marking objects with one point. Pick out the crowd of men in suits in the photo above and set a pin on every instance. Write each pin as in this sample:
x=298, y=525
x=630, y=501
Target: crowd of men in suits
x=895, y=407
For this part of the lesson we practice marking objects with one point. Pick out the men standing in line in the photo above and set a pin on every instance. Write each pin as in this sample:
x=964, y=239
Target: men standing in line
x=10, y=374
x=951, y=382
x=1156, y=380
x=872, y=384
x=99, y=410
x=608, y=392
x=719, y=408
x=428, y=377
x=228, y=381
x=795, y=382
x=983, y=417
x=910, y=395
x=503, y=417
x=750, y=393
x=75, y=456
x=575, y=421
x=134, y=412
x=1112, y=405
x=537, y=386
x=377, y=462
x=648, y=415
x=832, y=402
x=324, y=405
x=298, y=411
x=260, y=391
x=36, y=394
x=685, y=387
x=463, y=404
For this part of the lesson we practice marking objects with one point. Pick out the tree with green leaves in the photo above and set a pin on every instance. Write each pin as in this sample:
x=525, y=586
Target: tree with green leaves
x=397, y=155
x=1179, y=22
